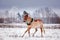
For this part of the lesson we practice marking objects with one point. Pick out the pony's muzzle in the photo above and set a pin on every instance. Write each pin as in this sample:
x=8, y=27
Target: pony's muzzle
x=24, y=21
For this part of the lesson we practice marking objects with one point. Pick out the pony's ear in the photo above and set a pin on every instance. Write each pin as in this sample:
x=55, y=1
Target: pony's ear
x=25, y=12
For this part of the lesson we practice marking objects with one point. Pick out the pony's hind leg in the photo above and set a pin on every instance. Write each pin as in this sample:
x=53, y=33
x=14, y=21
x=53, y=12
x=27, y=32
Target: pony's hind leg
x=34, y=32
x=41, y=32
x=26, y=31
x=41, y=28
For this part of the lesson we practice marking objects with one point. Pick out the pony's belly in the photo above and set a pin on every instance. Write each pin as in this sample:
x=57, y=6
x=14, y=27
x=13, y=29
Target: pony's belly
x=35, y=25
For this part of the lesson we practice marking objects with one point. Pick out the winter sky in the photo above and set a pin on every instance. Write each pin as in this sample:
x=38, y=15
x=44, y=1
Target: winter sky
x=29, y=3
x=10, y=4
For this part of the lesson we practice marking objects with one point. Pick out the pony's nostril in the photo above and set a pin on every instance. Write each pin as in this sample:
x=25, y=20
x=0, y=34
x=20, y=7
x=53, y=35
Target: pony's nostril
x=23, y=21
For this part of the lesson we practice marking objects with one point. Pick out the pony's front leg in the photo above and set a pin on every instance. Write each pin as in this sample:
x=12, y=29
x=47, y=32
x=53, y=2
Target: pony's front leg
x=34, y=32
x=29, y=32
x=26, y=31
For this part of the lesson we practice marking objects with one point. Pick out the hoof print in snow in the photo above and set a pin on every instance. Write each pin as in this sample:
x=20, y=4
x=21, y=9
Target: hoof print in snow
x=13, y=35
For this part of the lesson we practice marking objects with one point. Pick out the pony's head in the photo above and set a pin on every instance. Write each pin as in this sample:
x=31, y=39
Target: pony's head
x=25, y=16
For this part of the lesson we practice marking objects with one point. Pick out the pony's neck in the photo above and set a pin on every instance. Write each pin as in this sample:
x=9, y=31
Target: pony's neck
x=29, y=20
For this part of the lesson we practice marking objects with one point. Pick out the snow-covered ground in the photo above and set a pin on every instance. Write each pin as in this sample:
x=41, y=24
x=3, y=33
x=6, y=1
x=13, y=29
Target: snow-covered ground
x=16, y=33
x=24, y=25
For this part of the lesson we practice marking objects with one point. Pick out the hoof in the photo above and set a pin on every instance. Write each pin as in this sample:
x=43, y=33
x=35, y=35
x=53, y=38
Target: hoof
x=22, y=36
x=44, y=31
x=41, y=35
x=32, y=35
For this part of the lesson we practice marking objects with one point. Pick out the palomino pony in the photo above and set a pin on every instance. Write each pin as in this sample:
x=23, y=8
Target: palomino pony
x=31, y=23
